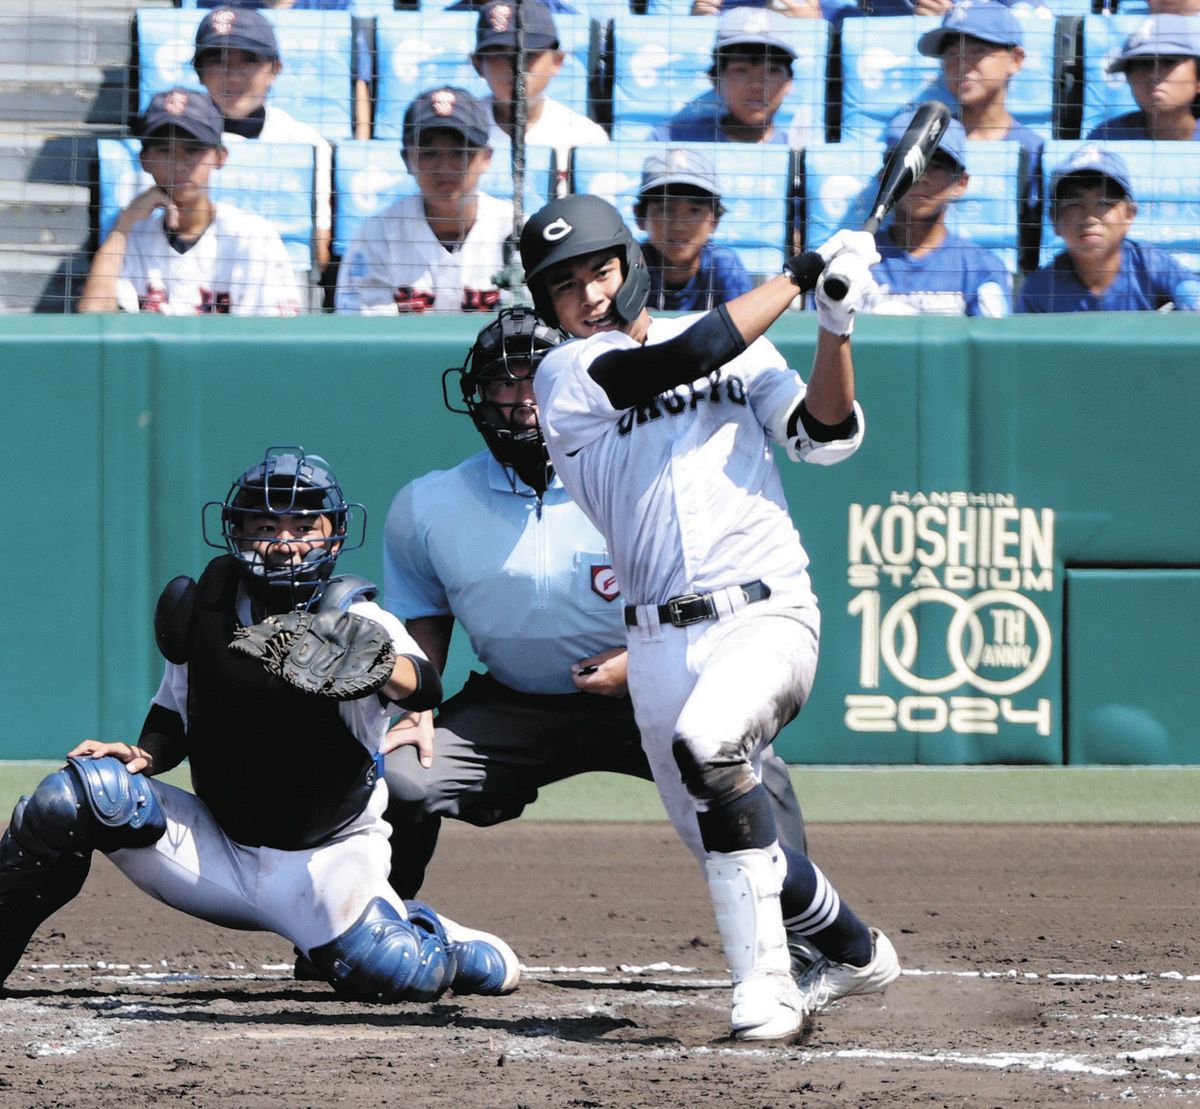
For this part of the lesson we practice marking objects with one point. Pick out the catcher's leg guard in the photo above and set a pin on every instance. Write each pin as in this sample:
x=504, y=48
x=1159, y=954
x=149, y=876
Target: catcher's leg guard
x=744, y=886
x=45, y=854
x=383, y=957
x=484, y=964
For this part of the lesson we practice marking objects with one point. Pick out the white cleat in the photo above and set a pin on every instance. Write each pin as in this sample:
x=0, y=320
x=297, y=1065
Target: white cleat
x=827, y=982
x=767, y=1005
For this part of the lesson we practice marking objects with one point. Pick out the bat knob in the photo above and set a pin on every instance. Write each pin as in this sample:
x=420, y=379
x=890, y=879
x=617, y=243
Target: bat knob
x=835, y=288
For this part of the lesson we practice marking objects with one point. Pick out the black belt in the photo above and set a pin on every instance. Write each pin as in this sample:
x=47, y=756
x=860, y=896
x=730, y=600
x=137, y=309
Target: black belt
x=694, y=608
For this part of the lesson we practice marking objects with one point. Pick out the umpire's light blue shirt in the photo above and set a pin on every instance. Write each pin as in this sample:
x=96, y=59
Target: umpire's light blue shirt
x=534, y=590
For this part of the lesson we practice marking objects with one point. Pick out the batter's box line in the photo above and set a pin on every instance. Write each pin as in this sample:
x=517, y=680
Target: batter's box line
x=1053, y=976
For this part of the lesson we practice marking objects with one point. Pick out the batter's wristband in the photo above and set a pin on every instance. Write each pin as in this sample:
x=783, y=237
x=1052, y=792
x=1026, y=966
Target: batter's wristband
x=805, y=270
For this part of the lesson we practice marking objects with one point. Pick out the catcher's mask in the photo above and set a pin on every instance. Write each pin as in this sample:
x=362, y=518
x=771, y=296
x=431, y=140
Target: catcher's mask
x=508, y=349
x=287, y=482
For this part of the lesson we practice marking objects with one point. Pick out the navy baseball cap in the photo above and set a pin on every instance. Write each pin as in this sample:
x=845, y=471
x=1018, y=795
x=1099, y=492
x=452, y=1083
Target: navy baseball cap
x=953, y=144
x=1166, y=36
x=679, y=165
x=446, y=109
x=236, y=29
x=988, y=21
x=184, y=110
x=754, y=27
x=1092, y=158
x=497, y=26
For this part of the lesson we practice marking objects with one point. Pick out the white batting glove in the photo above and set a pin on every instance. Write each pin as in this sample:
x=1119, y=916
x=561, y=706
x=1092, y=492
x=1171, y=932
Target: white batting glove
x=859, y=243
x=838, y=315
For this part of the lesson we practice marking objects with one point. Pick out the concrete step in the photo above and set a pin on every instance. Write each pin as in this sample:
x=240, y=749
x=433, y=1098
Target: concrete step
x=35, y=214
x=41, y=280
x=49, y=95
x=47, y=157
x=83, y=41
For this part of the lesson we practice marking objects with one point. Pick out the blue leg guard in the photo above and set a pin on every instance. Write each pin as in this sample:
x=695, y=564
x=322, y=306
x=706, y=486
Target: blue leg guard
x=485, y=963
x=383, y=957
x=46, y=852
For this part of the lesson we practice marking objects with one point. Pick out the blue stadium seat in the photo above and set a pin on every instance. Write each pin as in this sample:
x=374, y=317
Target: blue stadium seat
x=882, y=71
x=315, y=85
x=271, y=179
x=661, y=63
x=1164, y=177
x=756, y=189
x=1105, y=95
x=839, y=185
x=415, y=51
x=354, y=7
x=369, y=176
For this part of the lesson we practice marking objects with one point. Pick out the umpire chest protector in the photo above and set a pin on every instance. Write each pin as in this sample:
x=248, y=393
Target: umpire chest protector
x=276, y=767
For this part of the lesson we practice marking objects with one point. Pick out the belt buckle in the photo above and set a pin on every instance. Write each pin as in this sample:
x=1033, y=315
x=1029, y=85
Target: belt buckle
x=676, y=605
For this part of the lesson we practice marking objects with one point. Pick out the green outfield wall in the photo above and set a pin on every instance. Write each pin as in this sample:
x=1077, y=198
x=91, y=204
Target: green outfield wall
x=1009, y=569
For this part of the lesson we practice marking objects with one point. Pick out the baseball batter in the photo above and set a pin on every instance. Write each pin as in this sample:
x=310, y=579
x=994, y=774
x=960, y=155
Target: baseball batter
x=661, y=431
x=284, y=832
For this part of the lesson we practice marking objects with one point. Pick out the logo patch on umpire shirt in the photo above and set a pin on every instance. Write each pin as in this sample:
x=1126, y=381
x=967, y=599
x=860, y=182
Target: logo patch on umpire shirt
x=604, y=583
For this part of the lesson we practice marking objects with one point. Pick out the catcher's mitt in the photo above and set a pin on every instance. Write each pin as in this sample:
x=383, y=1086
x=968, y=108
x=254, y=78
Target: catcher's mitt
x=336, y=654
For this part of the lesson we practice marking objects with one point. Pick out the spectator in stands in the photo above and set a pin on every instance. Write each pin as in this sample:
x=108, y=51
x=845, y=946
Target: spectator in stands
x=547, y=122
x=173, y=249
x=1174, y=7
x=237, y=59
x=679, y=207
x=440, y=249
x=1161, y=62
x=1092, y=206
x=751, y=74
x=795, y=9
x=927, y=269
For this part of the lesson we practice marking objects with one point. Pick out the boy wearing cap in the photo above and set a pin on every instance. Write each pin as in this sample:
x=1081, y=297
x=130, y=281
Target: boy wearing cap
x=926, y=269
x=176, y=251
x=679, y=207
x=548, y=122
x=1161, y=62
x=439, y=249
x=237, y=59
x=751, y=74
x=1092, y=206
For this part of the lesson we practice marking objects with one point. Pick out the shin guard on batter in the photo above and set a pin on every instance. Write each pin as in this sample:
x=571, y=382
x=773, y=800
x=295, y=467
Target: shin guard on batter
x=744, y=886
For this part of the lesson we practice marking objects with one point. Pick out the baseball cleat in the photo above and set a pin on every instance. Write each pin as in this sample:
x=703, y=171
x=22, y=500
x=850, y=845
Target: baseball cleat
x=827, y=982
x=486, y=964
x=767, y=1005
x=305, y=969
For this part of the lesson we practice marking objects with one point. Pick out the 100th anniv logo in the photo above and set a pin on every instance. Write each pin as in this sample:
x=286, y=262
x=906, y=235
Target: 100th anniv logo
x=948, y=587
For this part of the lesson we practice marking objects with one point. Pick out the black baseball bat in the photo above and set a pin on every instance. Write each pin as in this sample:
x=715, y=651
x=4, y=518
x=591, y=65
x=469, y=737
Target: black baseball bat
x=905, y=164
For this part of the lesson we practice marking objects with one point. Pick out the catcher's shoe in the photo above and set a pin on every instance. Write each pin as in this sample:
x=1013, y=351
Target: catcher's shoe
x=486, y=964
x=305, y=969
x=767, y=1005
x=826, y=982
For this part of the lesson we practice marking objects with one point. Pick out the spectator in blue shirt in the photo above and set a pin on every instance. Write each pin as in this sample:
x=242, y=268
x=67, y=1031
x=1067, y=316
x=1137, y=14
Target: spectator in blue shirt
x=1161, y=62
x=679, y=207
x=926, y=269
x=1092, y=206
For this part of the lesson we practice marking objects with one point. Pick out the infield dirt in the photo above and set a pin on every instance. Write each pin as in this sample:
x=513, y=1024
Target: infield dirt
x=1046, y=965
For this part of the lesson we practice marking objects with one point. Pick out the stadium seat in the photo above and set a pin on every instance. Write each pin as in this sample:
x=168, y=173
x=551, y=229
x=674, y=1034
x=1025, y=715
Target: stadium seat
x=354, y=7
x=757, y=190
x=315, y=85
x=661, y=63
x=839, y=185
x=882, y=71
x=1105, y=94
x=273, y=180
x=369, y=176
x=1164, y=176
x=415, y=51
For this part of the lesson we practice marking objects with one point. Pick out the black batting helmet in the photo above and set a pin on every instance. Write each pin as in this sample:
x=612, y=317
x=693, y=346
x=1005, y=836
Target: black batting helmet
x=516, y=340
x=574, y=227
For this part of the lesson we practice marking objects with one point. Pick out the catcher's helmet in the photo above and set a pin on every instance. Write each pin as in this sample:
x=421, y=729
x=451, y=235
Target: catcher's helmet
x=287, y=482
x=574, y=227
x=514, y=340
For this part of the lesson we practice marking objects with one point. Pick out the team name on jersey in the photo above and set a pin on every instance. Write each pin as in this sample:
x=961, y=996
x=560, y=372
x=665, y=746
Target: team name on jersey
x=410, y=299
x=209, y=302
x=721, y=389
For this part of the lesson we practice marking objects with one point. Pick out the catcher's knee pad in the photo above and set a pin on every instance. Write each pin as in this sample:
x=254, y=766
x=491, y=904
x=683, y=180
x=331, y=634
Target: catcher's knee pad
x=483, y=963
x=713, y=777
x=383, y=957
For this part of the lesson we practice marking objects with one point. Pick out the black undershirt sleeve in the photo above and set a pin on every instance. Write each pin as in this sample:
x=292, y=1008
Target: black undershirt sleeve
x=164, y=737
x=428, y=694
x=817, y=431
x=633, y=377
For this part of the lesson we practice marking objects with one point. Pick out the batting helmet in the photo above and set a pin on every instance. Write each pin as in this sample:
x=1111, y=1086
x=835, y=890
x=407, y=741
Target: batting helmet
x=514, y=340
x=287, y=482
x=574, y=227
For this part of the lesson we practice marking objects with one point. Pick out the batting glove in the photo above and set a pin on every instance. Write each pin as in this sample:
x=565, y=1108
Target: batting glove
x=838, y=315
x=859, y=243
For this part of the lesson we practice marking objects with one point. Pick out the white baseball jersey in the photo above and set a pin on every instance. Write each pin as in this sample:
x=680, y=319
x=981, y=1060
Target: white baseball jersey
x=685, y=488
x=397, y=264
x=239, y=266
x=278, y=126
x=558, y=126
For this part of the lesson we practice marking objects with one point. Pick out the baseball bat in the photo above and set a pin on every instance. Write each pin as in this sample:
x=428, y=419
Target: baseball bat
x=905, y=164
